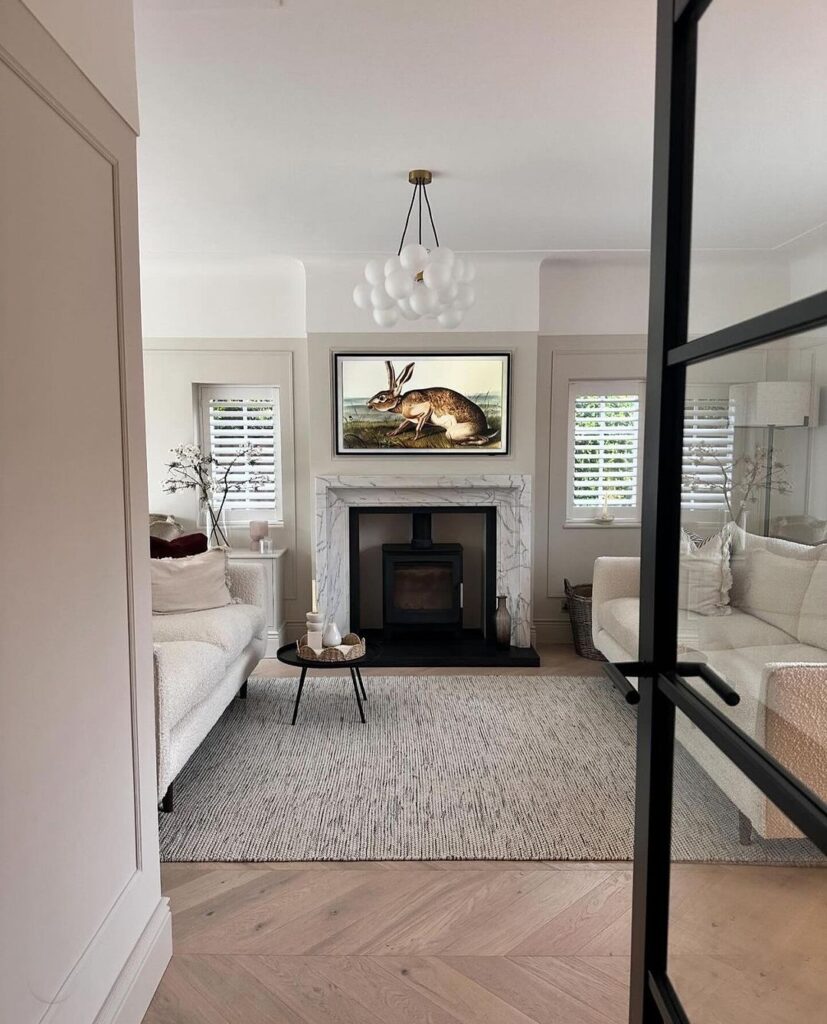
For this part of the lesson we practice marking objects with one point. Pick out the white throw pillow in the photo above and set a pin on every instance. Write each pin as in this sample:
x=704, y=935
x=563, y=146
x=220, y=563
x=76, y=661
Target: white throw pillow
x=774, y=588
x=190, y=584
x=744, y=547
x=705, y=577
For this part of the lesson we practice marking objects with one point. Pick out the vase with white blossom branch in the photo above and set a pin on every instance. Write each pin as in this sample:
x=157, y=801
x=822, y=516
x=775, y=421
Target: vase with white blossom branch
x=740, y=480
x=191, y=469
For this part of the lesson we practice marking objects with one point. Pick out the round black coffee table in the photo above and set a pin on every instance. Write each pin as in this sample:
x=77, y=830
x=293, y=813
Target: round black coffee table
x=289, y=655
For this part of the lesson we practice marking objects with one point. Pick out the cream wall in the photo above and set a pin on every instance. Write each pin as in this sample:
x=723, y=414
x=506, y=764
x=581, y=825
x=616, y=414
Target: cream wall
x=99, y=36
x=172, y=370
x=223, y=297
x=560, y=550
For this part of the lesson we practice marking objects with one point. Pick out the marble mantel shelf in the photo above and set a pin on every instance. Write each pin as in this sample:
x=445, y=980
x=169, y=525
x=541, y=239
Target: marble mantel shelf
x=509, y=493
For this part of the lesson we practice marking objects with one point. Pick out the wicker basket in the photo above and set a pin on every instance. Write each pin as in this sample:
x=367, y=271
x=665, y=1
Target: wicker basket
x=579, y=600
x=357, y=650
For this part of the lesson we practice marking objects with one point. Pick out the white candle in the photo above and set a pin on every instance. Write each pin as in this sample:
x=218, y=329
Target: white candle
x=313, y=604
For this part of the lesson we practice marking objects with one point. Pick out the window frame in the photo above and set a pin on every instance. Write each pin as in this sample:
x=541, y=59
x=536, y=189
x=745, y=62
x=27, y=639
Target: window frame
x=243, y=515
x=624, y=515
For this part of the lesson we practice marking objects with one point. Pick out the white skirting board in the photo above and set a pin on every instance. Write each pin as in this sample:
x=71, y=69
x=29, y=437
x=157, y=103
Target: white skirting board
x=136, y=984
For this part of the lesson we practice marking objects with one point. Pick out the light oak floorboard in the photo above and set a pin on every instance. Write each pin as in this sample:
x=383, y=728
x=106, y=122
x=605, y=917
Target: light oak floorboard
x=509, y=943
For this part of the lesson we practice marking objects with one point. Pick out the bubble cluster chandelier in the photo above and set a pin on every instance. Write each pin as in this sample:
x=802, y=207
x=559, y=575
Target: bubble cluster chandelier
x=418, y=283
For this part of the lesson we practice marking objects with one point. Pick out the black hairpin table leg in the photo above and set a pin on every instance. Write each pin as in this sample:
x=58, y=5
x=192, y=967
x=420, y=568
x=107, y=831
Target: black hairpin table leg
x=353, y=672
x=358, y=672
x=298, y=696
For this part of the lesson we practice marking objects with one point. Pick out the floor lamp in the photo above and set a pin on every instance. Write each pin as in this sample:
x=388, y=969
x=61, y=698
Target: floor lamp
x=770, y=404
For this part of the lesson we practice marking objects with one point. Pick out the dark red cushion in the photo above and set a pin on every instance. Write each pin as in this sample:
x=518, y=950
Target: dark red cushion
x=180, y=547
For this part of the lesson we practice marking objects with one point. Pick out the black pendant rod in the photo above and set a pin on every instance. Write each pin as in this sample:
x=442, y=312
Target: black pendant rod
x=419, y=191
x=407, y=219
x=430, y=215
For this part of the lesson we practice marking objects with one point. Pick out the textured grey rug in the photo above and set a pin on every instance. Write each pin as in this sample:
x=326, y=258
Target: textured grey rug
x=460, y=767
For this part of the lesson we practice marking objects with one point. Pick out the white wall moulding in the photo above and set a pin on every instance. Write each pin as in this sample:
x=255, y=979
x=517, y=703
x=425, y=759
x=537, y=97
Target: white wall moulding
x=510, y=494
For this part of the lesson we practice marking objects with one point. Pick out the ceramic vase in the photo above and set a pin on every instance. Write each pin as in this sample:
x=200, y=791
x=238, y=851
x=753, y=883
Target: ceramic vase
x=331, y=636
x=502, y=622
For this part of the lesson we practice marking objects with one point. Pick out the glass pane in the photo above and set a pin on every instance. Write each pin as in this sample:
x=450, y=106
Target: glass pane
x=753, y=573
x=747, y=941
x=759, y=235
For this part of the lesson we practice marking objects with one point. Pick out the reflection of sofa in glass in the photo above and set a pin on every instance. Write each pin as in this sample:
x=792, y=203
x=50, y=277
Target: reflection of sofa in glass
x=771, y=646
x=800, y=529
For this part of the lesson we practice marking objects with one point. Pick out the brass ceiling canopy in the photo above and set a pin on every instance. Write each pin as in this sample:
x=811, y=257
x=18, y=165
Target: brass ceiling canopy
x=420, y=177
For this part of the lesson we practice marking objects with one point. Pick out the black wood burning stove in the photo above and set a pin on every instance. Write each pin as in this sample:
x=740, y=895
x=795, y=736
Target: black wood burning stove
x=422, y=582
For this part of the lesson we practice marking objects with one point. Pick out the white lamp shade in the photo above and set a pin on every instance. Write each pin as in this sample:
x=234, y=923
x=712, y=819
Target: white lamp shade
x=772, y=403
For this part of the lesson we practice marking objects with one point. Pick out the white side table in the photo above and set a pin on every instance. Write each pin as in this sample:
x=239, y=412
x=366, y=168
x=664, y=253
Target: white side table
x=273, y=565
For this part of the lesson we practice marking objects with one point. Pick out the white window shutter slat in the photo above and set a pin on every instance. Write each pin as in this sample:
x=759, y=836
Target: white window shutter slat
x=708, y=446
x=605, y=450
x=237, y=416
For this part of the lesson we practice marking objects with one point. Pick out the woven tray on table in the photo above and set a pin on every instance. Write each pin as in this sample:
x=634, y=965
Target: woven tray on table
x=579, y=600
x=357, y=650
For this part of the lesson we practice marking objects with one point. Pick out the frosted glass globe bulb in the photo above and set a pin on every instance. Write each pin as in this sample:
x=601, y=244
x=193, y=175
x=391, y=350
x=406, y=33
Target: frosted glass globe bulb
x=375, y=272
x=361, y=295
x=414, y=257
x=386, y=317
x=399, y=284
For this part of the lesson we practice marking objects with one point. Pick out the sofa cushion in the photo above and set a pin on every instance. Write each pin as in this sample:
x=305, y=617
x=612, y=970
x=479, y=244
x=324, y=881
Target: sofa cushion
x=189, y=584
x=186, y=673
x=179, y=547
x=619, y=618
x=231, y=628
x=705, y=579
x=812, y=624
x=739, y=629
x=744, y=545
x=774, y=586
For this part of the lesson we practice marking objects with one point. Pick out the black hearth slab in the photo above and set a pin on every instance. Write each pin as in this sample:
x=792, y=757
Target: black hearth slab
x=468, y=649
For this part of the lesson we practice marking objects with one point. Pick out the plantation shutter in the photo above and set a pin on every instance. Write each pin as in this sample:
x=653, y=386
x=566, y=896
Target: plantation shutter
x=237, y=416
x=605, y=447
x=708, y=442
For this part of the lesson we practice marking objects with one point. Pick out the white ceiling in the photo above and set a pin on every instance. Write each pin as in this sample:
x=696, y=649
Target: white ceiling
x=290, y=129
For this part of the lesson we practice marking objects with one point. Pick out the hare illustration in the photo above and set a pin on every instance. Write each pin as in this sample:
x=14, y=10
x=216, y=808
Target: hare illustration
x=462, y=420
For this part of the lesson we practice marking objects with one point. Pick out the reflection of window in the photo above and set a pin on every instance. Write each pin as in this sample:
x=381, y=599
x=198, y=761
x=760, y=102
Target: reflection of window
x=708, y=440
x=233, y=417
x=605, y=443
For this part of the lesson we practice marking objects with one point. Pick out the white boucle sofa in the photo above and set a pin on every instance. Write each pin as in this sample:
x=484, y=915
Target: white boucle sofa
x=202, y=660
x=771, y=647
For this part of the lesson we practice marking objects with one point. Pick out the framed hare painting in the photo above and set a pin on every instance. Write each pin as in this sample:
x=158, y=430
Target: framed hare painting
x=433, y=404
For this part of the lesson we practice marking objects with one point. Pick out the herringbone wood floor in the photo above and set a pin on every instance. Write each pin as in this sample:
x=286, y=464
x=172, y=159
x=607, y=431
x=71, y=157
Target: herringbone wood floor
x=482, y=943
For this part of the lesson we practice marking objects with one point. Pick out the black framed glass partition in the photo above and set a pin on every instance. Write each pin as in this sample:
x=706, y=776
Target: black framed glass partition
x=731, y=824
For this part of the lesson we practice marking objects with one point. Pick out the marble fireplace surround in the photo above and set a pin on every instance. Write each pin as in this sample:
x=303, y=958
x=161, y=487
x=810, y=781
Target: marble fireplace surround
x=510, y=494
